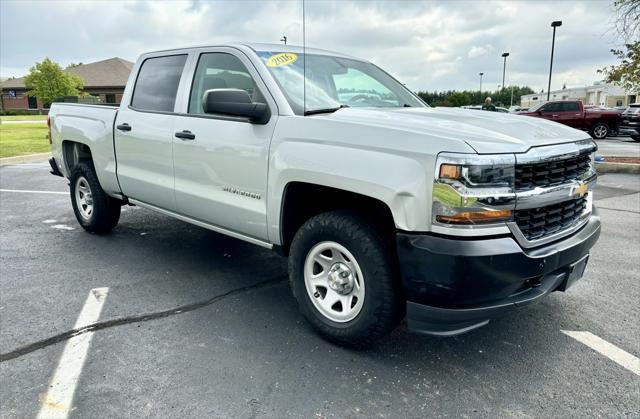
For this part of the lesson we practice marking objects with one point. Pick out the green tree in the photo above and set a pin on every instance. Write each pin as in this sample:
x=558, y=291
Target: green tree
x=47, y=81
x=625, y=74
x=501, y=97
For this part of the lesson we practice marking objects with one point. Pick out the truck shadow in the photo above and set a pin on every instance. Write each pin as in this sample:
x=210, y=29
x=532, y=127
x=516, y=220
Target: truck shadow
x=223, y=262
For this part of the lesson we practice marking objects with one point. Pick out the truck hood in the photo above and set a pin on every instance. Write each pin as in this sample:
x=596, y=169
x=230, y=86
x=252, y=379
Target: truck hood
x=486, y=132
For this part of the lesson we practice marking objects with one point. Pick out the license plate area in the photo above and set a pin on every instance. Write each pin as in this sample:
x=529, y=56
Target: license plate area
x=574, y=273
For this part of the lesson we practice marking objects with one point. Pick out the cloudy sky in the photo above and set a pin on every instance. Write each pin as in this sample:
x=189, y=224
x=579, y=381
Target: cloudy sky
x=427, y=45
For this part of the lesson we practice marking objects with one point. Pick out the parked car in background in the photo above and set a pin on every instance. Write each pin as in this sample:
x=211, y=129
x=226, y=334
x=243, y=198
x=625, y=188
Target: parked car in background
x=599, y=123
x=501, y=109
x=631, y=121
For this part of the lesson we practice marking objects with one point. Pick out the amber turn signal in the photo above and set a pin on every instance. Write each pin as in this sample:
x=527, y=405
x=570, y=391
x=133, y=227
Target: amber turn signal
x=449, y=171
x=474, y=217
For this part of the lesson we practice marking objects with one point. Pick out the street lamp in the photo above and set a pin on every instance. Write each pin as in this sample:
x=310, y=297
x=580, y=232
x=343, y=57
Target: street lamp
x=554, y=25
x=504, y=67
x=481, y=74
x=284, y=39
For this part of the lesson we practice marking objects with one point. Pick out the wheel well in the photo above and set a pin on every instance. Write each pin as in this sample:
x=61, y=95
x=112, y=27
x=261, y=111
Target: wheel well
x=302, y=201
x=75, y=153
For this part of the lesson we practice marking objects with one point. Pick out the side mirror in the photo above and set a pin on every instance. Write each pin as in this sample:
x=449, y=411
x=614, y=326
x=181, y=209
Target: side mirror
x=540, y=112
x=235, y=102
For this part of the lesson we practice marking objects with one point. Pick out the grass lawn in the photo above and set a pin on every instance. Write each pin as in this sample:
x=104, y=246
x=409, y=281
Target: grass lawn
x=23, y=118
x=19, y=139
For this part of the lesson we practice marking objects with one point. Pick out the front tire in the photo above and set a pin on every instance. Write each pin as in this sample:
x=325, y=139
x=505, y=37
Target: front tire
x=344, y=276
x=95, y=211
x=600, y=131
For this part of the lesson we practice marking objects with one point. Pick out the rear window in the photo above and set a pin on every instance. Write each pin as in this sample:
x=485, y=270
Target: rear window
x=157, y=83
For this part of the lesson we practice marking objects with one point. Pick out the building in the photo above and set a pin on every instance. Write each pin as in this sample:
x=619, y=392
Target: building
x=104, y=80
x=599, y=94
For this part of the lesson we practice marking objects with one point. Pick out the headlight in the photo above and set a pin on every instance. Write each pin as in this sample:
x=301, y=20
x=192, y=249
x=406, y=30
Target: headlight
x=473, y=190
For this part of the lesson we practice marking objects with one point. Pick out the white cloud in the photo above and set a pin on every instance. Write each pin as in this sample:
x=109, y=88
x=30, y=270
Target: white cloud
x=428, y=45
x=479, y=50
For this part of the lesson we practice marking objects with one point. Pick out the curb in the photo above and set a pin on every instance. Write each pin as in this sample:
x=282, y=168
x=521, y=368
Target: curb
x=27, y=158
x=618, y=168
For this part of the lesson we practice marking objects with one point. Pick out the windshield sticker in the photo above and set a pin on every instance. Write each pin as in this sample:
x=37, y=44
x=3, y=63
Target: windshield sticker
x=284, y=58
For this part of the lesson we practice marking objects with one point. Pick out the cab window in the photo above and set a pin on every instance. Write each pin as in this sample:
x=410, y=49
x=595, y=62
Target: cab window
x=220, y=71
x=571, y=107
x=157, y=83
x=552, y=107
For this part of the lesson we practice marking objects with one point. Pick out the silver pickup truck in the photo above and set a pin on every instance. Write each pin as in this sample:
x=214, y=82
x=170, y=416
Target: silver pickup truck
x=386, y=208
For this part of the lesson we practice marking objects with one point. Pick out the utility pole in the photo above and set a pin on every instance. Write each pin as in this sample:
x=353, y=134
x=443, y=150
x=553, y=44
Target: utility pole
x=504, y=67
x=554, y=25
x=284, y=39
x=481, y=74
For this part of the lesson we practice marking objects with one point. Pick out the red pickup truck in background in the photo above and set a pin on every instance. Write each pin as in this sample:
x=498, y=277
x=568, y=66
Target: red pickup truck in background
x=599, y=122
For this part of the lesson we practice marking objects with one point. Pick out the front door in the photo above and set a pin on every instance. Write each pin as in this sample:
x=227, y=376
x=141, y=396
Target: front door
x=144, y=133
x=221, y=162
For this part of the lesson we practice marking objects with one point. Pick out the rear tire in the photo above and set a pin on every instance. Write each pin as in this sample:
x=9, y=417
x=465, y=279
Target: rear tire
x=600, y=131
x=348, y=249
x=95, y=211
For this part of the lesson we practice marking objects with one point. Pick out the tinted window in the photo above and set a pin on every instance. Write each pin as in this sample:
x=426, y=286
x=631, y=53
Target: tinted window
x=552, y=107
x=570, y=107
x=220, y=71
x=157, y=83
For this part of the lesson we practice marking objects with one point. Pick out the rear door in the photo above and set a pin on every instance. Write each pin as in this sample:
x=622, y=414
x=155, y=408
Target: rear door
x=569, y=114
x=221, y=167
x=144, y=132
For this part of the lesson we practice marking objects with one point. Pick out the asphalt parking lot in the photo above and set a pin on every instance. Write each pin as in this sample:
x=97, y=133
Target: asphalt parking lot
x=622, y=146
x=246, y=352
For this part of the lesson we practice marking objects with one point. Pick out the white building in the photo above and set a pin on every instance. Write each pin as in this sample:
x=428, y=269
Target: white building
x=600, y=94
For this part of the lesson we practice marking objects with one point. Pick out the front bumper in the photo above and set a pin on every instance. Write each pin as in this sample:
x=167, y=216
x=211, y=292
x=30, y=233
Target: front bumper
x=455, y=285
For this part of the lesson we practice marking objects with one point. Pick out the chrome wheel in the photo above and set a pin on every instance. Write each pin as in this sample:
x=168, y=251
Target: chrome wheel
x=600, y=131
x=334, y=281
x=84, y=198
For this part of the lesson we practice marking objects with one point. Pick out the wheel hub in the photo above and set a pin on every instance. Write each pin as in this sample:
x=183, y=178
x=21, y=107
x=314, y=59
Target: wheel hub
x=341, y=278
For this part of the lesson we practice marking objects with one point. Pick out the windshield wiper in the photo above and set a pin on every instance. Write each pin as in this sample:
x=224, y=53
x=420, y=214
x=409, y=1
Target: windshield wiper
x=326, y=110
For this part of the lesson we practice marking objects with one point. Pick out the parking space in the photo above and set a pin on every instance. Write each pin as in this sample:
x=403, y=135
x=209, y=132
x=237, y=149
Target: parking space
x=235, y=346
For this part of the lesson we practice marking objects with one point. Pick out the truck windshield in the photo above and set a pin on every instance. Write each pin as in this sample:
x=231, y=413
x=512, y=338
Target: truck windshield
x=334, y=82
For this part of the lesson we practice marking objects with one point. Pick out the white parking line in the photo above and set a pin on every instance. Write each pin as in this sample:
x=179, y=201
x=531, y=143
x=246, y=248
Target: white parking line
x=57, y=402
x=611, y=351
x=25, y=191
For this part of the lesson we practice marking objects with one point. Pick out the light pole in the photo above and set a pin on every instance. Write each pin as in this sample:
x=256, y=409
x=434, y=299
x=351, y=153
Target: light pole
x=554, y=25
x=511, y=96
x=504, y=67
x=481, y=74
x=284, y=39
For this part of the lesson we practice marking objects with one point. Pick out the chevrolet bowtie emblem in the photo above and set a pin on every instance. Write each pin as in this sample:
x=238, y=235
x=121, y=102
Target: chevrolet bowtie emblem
x=580, y=190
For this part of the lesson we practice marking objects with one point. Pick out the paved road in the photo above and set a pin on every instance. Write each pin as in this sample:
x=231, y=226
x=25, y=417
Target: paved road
x=618, y=146
x=252, y=355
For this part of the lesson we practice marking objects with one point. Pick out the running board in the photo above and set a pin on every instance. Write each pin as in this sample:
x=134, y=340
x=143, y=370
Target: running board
x=202, y=224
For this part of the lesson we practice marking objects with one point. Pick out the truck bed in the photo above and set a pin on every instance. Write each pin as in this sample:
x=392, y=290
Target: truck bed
x=91, y=125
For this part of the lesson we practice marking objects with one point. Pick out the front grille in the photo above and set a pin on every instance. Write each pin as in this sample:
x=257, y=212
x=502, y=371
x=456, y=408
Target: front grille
x=540, y=222
x=551, y=173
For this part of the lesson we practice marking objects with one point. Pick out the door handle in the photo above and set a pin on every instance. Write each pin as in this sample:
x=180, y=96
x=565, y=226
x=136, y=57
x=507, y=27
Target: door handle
x=185, y=135
x=124, y=127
